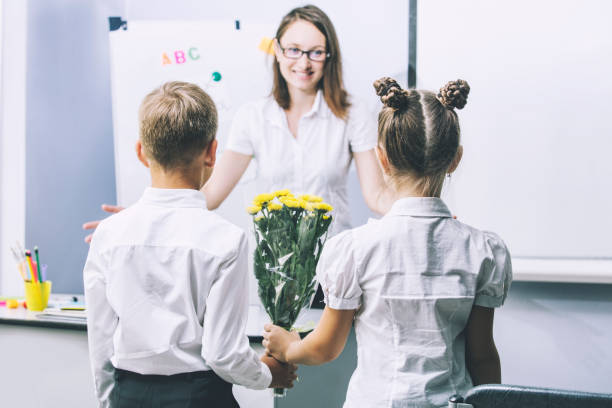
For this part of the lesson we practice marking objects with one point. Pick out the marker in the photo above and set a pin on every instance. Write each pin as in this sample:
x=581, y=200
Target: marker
x=19, y=261
x=38, y=268
x=43, y=268
x=20, y=267
x=16, y=255
x=20, y=250
x=28, y=255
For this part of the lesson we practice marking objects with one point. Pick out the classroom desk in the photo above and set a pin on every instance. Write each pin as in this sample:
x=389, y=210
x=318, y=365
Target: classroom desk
x=45, y=363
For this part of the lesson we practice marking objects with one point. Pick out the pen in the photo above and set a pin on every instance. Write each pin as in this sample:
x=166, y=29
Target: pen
x=28, y=255
x=38, y=269
x=20, y=267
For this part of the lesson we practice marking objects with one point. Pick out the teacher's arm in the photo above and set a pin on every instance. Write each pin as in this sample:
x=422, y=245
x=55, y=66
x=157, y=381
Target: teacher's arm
x=227, y=172
x=378, y=196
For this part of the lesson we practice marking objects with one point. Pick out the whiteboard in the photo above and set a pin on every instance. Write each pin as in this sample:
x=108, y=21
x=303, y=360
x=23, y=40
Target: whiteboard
x=137, y=56
x=536, y=130
x=150, y=53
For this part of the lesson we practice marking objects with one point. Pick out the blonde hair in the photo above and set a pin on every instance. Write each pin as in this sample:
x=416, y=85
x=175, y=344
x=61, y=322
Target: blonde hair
x=331, y=84
x=419, y=130
x=178, y=121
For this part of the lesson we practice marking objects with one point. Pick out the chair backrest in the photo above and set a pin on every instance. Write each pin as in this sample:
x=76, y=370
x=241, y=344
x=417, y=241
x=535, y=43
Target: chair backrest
x=516, y=396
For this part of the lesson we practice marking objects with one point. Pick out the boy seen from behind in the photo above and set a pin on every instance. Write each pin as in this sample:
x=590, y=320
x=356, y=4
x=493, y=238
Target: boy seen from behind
x=166, y=280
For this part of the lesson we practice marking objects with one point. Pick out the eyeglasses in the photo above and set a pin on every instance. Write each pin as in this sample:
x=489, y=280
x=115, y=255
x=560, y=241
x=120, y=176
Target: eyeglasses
x=296, y=53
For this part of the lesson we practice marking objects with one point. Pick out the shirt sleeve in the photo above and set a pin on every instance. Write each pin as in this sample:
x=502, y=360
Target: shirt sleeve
x=101, y=324
x=240, y=138
x=361, y=129
x=225, y=346
x=495, y=274
x=337, y=273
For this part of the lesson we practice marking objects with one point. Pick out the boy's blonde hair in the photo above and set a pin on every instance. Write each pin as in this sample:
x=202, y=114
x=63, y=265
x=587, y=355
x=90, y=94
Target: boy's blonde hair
x=178, y=121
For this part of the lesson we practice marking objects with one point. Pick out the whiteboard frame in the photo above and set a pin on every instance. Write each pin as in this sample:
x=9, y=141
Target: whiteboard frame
x=562, y=270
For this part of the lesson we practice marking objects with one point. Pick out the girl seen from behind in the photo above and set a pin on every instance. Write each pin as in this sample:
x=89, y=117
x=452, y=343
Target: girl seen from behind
x=420, y=286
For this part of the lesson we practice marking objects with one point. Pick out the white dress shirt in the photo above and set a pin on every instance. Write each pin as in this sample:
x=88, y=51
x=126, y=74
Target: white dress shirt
x=166, y=288
x=414, y=276
x=316, y=161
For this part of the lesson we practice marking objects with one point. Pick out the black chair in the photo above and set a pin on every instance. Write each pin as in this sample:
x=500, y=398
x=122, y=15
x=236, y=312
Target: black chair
x=516, y=396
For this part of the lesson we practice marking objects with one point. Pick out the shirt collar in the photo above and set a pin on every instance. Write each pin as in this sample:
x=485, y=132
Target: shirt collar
x=420, y=207
x=277, y=116
x=173, y=197
x=319, y=107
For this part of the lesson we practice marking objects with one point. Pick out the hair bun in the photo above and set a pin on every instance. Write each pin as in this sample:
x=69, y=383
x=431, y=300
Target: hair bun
x=391, y=93
x=454, y=94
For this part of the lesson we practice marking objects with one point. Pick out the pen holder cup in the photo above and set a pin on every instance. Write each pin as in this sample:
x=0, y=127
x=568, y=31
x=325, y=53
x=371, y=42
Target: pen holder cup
x=37, y=295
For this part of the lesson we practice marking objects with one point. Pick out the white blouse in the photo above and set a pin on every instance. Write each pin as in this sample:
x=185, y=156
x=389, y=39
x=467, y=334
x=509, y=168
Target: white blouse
x=316, y=161
x=166, y=287
x=414, y=276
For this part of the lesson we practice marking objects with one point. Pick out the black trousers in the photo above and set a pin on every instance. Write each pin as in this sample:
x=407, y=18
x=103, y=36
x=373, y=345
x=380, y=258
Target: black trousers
x=199, y=389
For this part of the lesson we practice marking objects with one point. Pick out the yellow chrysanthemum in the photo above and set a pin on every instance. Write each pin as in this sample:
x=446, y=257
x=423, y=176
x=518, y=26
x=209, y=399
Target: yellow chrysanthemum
x=274, y=206
x=323, y=207
x=254, y=209
x=263, y=198
x=292, y=203
x=311, y=198
x=308, y=206
x=286, y=198
x=282, y=193
x=326, y=217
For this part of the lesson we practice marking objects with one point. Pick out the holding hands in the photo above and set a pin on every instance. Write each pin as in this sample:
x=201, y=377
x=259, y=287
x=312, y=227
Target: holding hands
x=278, y=340
x=283, y=374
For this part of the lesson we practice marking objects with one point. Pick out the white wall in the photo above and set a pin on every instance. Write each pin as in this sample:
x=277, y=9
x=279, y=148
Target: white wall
x=12, y=138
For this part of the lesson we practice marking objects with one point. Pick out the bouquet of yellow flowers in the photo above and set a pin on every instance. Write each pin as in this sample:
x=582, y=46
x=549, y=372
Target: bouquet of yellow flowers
x=290, y=232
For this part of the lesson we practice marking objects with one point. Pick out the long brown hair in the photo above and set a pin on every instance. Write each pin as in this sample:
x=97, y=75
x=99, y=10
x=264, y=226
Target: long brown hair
x=331, y=84
x=419, y=130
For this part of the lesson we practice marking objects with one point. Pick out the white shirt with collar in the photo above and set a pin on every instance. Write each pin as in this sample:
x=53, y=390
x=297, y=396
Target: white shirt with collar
x=414, y=276
x=316, y=161
x=166, y=287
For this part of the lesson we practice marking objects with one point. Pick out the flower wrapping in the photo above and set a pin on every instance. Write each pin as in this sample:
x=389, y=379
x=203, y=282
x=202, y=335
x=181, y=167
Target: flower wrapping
x=290, y=232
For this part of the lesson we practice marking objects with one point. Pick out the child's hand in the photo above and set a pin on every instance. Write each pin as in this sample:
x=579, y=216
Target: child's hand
x=277, y=341
x=283, y=374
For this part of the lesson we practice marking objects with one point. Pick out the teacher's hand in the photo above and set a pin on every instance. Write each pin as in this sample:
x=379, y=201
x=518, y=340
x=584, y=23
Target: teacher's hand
x=94, y=224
